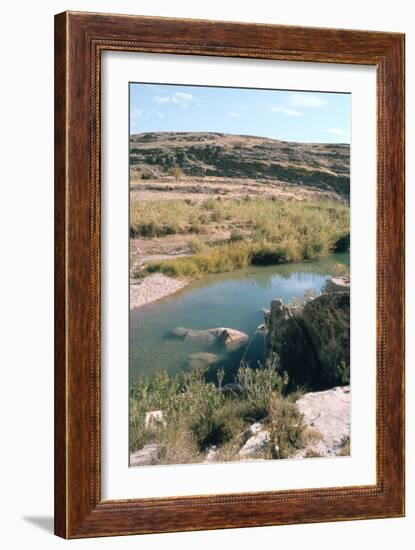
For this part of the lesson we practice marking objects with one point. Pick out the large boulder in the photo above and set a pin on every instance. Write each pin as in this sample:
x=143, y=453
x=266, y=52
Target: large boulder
x=201, y=336
x=327, y=413
x=228, y=338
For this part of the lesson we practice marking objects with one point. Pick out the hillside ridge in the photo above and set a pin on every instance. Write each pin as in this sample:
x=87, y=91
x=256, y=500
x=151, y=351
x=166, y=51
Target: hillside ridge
x=323, y=166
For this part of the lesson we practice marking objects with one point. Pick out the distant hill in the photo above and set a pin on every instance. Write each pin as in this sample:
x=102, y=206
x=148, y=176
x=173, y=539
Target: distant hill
x=199, y=154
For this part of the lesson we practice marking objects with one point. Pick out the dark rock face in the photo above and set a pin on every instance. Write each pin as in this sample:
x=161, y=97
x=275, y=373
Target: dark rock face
x=198, y=154
x=313, y=341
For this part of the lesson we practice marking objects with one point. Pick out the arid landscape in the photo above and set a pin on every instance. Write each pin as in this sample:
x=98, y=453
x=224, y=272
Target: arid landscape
x=190, y=190
x=239, y=283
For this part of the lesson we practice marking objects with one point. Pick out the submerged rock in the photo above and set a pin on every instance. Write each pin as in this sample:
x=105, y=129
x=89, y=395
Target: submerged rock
x=228, y=338
x=180, y=332
x=327, y=413
x=147, y=456
x=203, y=359
x=202, y=336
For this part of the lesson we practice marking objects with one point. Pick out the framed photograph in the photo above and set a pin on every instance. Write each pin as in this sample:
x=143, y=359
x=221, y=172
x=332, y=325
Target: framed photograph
x=229, y=275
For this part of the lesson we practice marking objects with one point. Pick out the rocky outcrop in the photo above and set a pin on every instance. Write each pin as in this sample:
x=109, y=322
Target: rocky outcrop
x=337, y=284
x=312, y=341
x=327, y=413
x=147, y=456
x=228, y=338
x=200, y=154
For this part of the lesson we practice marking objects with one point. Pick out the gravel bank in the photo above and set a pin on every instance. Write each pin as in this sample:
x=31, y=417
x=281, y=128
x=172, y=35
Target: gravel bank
x=153, y=288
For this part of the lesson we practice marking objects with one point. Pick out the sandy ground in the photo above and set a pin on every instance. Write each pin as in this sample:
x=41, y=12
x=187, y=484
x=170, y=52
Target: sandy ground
x=200, y=189
x=153, y=288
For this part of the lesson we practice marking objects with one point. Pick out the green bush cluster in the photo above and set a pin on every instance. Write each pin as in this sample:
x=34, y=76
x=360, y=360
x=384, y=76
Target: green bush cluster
x=199, y=414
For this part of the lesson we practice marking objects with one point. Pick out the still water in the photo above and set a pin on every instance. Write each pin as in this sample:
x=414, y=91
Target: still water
x=234, y=300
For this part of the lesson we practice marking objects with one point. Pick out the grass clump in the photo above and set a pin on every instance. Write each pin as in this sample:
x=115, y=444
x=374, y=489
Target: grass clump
x=262, y=232
x=198, y=415
x=345, y=447
x=196, y=245
x=318, y=225
x=215, y=260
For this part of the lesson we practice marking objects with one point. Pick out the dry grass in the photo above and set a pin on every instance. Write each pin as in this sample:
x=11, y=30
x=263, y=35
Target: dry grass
x=261, y=232
x=198, y=415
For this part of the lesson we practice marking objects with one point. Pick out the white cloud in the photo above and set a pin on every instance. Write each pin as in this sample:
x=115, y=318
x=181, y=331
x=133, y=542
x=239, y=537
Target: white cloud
x=182, y=99
x=161, y=99
x=283, y=110
x=307, y=100
x=234, y=115
x=296, y=102
x=182, y=96
x=336, y=132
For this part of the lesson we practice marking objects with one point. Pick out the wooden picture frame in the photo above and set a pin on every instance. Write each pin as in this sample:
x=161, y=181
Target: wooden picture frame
x=79, y=40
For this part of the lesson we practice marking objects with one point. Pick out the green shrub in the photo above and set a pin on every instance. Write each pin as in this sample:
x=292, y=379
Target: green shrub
x=258, y=385
x=287, y=428
x=175, y=171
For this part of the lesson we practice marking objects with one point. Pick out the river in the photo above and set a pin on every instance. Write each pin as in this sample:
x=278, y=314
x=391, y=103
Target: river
x=235, y=300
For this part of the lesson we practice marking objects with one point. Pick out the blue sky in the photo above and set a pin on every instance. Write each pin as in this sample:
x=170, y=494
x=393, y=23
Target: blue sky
x=316, y=117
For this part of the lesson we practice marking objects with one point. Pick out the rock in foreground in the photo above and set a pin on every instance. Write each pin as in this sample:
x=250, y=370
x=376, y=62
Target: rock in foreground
x=328, y=413
x=147, y=456
x=255, y=444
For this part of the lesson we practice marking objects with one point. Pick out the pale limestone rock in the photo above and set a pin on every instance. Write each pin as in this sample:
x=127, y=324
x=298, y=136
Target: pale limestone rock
x=146, y=456
x=255, y=444
x=211, y=454
x=328, y=413
x=255, y=428
x=230, y=338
